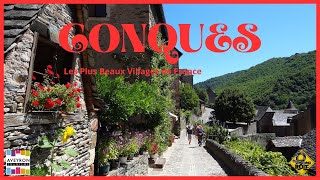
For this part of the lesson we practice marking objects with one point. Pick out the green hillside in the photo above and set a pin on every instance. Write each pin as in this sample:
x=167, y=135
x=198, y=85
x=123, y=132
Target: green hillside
x=274, y=82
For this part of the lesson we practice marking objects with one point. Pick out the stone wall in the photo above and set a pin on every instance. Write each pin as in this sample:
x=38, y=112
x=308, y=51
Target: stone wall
x=246, y=129
x=16, y=66
x=121, y=14
x=235, y=163
x=137, y=167
x=22, y=132
x=260, y=138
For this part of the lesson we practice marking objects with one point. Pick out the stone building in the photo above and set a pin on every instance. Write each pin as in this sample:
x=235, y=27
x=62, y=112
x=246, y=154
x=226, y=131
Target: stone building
x=305, y=121
x=117, y=14
x=212, y=95
x=288, y=145
x=31, y=43
x=31, y=39
x=187, y=78
x=277, y=121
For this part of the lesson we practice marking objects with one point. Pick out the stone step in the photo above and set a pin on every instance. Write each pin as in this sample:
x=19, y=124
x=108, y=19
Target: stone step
x=160, y=163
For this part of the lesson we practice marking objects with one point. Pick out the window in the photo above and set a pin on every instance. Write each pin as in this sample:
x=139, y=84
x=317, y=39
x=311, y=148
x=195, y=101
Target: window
x=49, y=53
x=97, y=10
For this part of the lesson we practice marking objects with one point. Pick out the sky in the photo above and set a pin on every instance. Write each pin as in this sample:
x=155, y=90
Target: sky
x=283, y=30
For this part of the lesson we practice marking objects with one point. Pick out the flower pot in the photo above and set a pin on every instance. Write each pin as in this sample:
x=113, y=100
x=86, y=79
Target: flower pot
x=104, y=169
x=130, y=157
x=123, y=160
x=114, y=164
x=152, y=156
x=141, y=150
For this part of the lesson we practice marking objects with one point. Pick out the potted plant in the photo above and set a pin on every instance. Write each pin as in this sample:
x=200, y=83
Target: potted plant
x=107, y=152
x=124, y=153
x=142, y=149
x=134, y=148
x=152, y=148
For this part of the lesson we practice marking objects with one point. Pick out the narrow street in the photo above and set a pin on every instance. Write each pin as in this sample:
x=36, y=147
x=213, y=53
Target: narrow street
x=183, y=159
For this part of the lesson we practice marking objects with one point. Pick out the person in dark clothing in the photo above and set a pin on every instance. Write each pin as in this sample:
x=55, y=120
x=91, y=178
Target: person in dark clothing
x=200, y=134
x=189, y=132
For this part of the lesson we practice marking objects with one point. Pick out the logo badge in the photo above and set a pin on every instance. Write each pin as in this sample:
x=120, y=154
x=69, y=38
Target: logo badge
x=17, y=162
x=301, y=162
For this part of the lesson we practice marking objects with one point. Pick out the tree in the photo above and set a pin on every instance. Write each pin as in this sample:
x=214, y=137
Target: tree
x=189, y=98
x=202, y=94
x=234, y=106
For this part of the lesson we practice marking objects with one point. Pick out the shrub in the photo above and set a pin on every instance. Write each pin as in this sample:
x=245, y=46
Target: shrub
x=273, y=163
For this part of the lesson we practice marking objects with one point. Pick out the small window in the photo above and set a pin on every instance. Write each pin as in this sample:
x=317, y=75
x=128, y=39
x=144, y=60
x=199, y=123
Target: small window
x=97, y=10
x=50, y=54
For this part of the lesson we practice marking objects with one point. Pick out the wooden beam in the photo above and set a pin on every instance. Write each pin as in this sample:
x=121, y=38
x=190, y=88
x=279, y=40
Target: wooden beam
x=31, y=66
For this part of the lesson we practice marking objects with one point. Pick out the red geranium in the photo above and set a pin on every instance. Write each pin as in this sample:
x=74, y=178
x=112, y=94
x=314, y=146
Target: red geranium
x=57, y=75
x=78, y=98
x=68, y=85
x=49, y=67
x=155, y=148
x=35, y=103
x=35, y=93
x=48, y=100
x=49, y=105
x=78, y=105
x=48, y=89
x=51, y=73
x=79, y=89
x=34, y=78
x=75, y=84
x=71, y=95
x=58, y=101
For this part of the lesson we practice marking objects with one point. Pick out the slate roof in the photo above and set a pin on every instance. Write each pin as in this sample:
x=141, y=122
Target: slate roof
x=17, y=19
x=309, y=145
x=280, y=118
x=290, y=106
x=260, y=111
x=288, y=141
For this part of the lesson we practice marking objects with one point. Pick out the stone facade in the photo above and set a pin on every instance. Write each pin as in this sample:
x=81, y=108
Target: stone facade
x=117, y=15
x=23, y=128
x=137, y=167
x=16, y=66
x=22, y=132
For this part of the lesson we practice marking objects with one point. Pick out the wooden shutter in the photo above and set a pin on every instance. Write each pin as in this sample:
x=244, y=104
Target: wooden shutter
x=31, y=66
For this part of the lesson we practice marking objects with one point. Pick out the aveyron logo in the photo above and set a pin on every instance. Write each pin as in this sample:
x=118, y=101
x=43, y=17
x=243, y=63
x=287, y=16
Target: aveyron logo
x=301, y=162
x=17, y=162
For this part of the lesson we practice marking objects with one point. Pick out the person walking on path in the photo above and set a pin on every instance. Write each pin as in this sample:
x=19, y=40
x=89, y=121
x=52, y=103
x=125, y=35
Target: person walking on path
x=189, y=131
x=200, y=134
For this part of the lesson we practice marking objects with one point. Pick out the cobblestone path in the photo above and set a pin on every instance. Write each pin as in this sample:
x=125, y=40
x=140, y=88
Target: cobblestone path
x=184, y=159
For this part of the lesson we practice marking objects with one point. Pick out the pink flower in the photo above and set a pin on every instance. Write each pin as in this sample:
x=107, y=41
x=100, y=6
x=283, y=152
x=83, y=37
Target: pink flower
x=34, y=78
x=49, y=67
x=52, y=83
x=58, y=76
